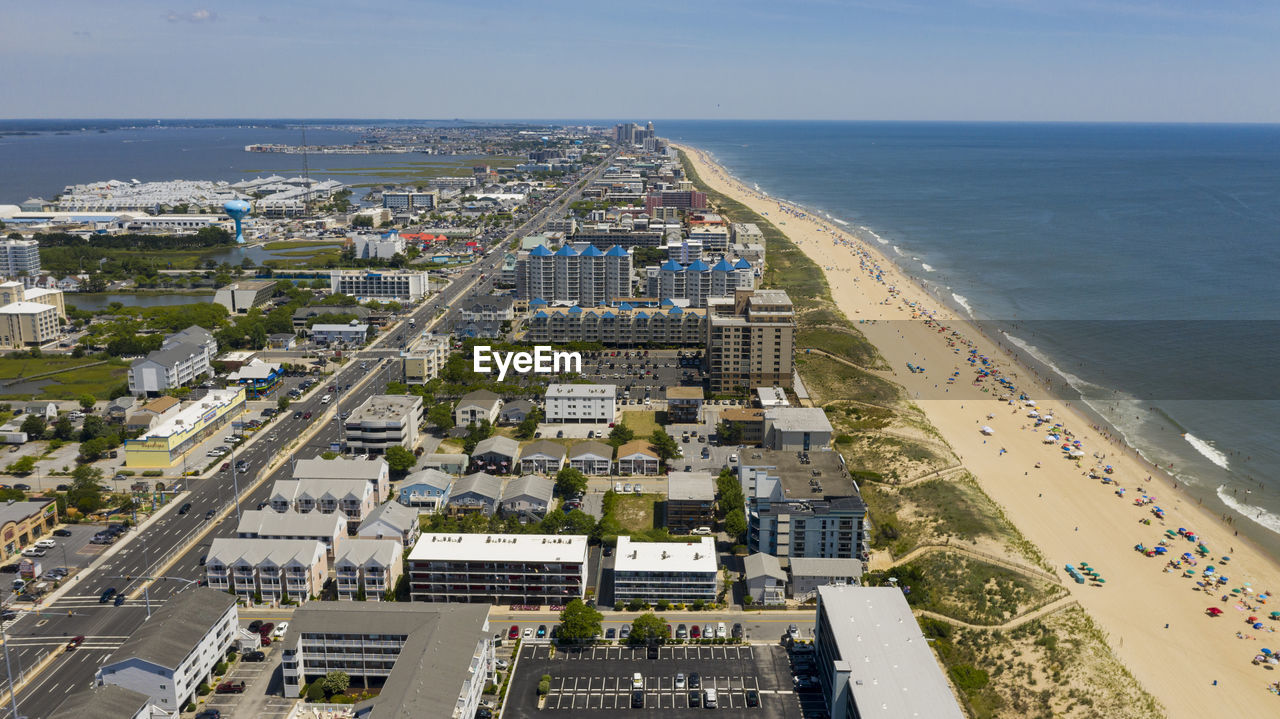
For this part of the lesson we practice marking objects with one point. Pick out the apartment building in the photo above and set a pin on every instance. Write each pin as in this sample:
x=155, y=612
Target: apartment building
x=498, y=568
x=750, y=340
x=182, y=358
x=809, y=573
x=477, y=406
x=797, y=429
x=873, y=660
x=353, y=500
x=431, y=660
x=590, y=277
x=369, y=568
x=496, y=454
x=426, y=355
x=373, y=470
x=376, y=247
x=638, y=457
x=382, y=421
x=684, y=405
x=691, y=501
x=328, y=529
x=353, y=334
x=527, y=498
x=803, y=508
x=681, y=572
x=169, y=656
x=581, y=403
x=109, y=702
x=591, y=457
x=399, y=285
x=240, y=297
x=478, y=492
x=19, y=258
x=542, y=457
x=411, y=200
x=271, y=568
x=627, y=325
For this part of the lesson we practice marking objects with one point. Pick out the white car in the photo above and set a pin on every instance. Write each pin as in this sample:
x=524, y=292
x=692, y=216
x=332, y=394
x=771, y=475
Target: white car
x=46, y=544
x=721, y=632
x=33, y=552
x=617, y=487
x=282, y=627
x=502, y=664
x=528, y=632
x=733, y=459
x=637, y=681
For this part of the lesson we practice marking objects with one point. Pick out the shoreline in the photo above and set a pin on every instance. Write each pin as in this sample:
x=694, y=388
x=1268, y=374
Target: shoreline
x=1077, y=522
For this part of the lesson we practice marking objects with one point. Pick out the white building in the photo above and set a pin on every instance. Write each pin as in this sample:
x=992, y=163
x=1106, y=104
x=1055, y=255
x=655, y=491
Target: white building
x=377, y=247
x=29, y=316
x=328, y=529
x=675, y=571
x=424, y=358
x=792, y=429
x=371, y=566
x=383, y=421
x=240, y=297
x=354, y=500
x=354, y=334
x=373, y=470
x=498, y=568
x=873, y=660
x=174, y=652
x=182, y=358
x=581, y=403
x=809, y=573
x=432, y=660
x=109, y=702
x=399, y=285
x=19, y=257
x=268, y=567
x=411, y=200
x=477, y=406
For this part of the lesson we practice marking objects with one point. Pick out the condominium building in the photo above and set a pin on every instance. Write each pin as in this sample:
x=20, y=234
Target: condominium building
x=803, y=507
x=240, y=297
x=426, y=491
x=399, y=285
x=498, y=568
x=369, y=567
x=271, y=568
x=174, y=652
x=109, y=702
x=164, y=444
x=19, y=258
x=354, y=334
x=373, y=470
x=426, y=355
x=797, y=429
x=344, y=497
x=182, y=358
x=750, y=340
x=873, y=660
x=382, y=421
x=683, y=200
x=431, y=660
x=627, y=325
x=581, y=403
x=625, y=236
x=477, y=406
x=683, y=572
x=590, y=457
x=328, y=529
x=696, y=282
x=590, y=277
x=411, y=200
x=691, y=500
x=377, y=247
x=29, y=316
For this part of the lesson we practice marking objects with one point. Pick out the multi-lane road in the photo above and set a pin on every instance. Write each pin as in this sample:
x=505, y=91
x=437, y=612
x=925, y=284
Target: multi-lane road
x=38, y=635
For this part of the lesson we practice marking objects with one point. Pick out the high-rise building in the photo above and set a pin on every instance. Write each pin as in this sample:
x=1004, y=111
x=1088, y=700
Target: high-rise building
x=696, y=282
x=18, y=257
x=799, y=508
x=750, y=340
x=589, y=277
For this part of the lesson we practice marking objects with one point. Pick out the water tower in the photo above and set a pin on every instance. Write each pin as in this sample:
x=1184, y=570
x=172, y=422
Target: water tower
x=237, y=209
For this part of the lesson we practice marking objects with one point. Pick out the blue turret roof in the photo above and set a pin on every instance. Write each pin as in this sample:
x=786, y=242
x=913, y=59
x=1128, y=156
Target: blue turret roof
x=591, y=251
x=722, y=266
x=616, y=251
x=699, y=266
x=566, y=251
x=672, y=266
x=540, y=251
x=742, y=264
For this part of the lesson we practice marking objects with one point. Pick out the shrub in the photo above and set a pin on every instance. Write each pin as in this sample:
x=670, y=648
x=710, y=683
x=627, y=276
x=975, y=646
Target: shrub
x=220, y=668
x=203, y=690
x=663, y=605
x=618, y=606
x=968, y=678
x=545, y=678
x=152, y=473
x=190, y=707
x=341, y=699
x=543, y=688
x=315, y=692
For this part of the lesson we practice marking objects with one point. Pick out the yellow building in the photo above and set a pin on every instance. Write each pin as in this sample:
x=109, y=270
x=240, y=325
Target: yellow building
x=22, y=523
x=164, y=445
x=29, y=317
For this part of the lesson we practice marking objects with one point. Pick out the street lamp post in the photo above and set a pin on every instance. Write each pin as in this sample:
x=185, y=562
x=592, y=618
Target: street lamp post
x=13, y=690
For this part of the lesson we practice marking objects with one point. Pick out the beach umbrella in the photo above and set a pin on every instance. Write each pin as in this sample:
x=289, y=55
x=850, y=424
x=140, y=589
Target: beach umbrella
x=1235, y=591
x=1257, y=625
x=1214, y=611
x=1186, y=555
x=1099, y=580
x=1226, y=559
x=1251, y=620
x=1275, y=615
x=1161, y=550
x=1209, y=569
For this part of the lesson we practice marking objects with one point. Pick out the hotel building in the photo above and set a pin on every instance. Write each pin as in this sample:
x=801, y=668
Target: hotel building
x=498, y=568
x=750, y=340
x=675, y=571
x=398, y=285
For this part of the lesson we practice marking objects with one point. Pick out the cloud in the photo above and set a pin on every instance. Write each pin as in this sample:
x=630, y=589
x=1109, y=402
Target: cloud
x=195, y=16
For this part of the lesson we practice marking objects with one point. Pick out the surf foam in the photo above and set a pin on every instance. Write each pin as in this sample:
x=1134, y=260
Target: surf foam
x=963, y=302
x=1259, y=515
x=1213, y=454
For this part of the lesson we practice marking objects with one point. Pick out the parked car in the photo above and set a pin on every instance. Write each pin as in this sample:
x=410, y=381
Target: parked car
x=231, y=688
x=254, y=656
x=695, y=681
x=209, y=714
x=279, y=631
x=265, y=628
x=33, y=552
x=514, y=632
x=255, y=625
x=46, y=544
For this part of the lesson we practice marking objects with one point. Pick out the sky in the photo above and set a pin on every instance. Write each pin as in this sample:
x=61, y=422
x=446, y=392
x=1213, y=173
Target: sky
x=964, y=60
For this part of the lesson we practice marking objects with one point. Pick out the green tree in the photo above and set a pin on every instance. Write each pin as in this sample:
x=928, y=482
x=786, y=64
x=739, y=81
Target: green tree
x=664, y=444
x=335, y=683
x=87, y=401
x=620, y=435
x=399, y=459
x=63, y=429
x=282, y=403
x=441, y=415
x=648, y=627
x=93, y=428
x=84, y=494
x=23, y=466
x=729, y=432
x=735, y=523
x=34, y=426
x=315, y=692
x=729, y=490
x=579, y=622
x=93, y=450
x=578, y=522
x=529, y=426
x=570, y=481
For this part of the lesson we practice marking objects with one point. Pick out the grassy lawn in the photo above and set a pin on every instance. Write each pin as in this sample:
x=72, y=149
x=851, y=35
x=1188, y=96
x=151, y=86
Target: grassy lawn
x=829, y=380
x=641, y=422
x=636, y=511
x=98, y=380
x=843, y=343
x=970, y=590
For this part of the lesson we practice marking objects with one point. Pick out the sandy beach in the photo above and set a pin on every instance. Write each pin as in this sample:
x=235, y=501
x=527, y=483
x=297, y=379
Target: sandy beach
x=1154, y=614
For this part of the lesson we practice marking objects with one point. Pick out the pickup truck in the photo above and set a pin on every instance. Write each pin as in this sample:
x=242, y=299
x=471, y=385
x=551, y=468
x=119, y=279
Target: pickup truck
x=231, y=688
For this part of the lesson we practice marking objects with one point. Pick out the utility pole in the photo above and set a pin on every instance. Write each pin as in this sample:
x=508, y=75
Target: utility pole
x=13, y=690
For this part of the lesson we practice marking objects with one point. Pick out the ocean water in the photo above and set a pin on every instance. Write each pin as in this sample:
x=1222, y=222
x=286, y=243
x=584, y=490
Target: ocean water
x=1134, y=265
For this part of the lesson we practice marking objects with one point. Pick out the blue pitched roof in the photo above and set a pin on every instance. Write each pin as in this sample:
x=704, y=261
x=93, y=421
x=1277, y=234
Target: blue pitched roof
x=540, y=313
x=540, y=251
x=672, y=266
x=537, y=301
x=575, y=310
x=591, y=251
x=566, y=251
x=675, y=311
x=666, y=302
x=607, y=313
x=722, y=266
x=699, y=266
x=616, y=251
x=642, y=315
x=741, y=264
x=626, y=306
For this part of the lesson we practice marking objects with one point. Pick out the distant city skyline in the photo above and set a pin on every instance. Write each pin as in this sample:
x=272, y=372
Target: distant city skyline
x=960, y=60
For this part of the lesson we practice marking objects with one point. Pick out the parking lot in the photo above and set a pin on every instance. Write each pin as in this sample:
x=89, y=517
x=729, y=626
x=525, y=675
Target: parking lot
x=638, y=376
x=601, y=679
x=71, y=552
x=255, y=701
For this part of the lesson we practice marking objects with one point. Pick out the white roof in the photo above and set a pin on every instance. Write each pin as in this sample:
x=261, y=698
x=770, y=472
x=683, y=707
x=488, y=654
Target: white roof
x=26, y=308
x=798, y=419
x=697, y=556
x=501, y=547
x=256, y=369
x=340, y=328
x=190, y=415
x=582, y=390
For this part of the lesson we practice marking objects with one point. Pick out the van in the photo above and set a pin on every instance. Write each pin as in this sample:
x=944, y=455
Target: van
x=19, y=586
x=326, y=399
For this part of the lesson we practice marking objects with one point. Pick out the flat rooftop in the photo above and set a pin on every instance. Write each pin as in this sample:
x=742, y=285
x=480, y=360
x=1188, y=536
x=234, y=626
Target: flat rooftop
x=193, y=414
x=699, y=556
x=826, y=468
x=893, y=674
x=501, y=547
x=691, y=486
x=384, y=407
x=582, y=390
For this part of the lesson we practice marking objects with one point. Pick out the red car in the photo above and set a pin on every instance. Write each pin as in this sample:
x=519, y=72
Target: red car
x=514, y=632
x=306, y=415
x=695, y=632
x=265, y=628
x=75, y=642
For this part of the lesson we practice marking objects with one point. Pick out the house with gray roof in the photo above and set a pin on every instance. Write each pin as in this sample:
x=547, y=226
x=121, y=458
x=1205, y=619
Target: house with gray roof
x=543, y=457
x=391, y=520
x=169, y=656
x=476, y=492
x=527, y=497
x=447, y=463
x=109, y=702
x=269, y=567
x=591, y=457
x=809, y=573
x=425, y=491
x=495, y=454
x=766, y=581
x=329, y=529
x=476, y=406
x=514, y=412
x=182, y=358
x=374, y=470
